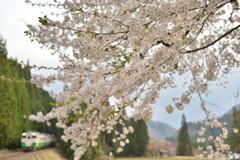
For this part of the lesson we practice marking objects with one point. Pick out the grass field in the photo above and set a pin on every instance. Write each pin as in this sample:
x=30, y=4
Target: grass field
x=170, y=158
x=51, y=154
x=54, y=154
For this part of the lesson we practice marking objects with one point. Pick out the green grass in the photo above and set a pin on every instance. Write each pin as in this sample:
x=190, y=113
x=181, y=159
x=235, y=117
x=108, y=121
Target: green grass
x=41, y=156
x=50, y=157
x=50, y=154
x=170, y=158
x=136, y=158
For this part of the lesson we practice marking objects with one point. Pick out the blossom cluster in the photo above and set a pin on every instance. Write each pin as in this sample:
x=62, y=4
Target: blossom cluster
x=217, y=148
x=131, y=51
x=122, y=137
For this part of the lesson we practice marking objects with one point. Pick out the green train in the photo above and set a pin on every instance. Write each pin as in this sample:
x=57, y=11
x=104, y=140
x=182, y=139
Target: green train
x=32, y=140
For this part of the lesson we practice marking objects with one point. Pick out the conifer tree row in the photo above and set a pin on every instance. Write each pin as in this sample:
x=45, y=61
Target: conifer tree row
x=18, y=101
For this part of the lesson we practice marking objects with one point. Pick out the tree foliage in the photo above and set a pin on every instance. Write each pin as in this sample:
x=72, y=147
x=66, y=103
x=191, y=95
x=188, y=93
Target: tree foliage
x=184, y=147
x=234, y=135
x=132, y=51
x=18, y=99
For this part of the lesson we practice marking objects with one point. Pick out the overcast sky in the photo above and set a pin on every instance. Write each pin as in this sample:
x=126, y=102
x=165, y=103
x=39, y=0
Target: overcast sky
x=15, y=13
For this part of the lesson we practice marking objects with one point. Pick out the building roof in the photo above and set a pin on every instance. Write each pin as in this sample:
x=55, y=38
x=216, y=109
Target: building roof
x=163, y=151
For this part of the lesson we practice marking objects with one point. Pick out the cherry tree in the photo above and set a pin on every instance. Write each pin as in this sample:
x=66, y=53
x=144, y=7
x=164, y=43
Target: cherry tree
x=131, y=51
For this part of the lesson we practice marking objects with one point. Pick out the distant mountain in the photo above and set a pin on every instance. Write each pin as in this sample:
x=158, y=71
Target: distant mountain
x=159, y=130
x=230, y=111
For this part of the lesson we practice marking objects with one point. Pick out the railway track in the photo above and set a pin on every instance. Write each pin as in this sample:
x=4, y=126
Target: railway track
x=11, y=155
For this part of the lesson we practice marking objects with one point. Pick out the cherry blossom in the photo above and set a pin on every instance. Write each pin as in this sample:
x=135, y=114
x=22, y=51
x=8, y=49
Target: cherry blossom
x=132, y=51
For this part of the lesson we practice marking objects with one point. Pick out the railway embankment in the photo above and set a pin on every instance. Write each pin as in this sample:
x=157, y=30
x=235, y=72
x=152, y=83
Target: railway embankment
x=43, y=154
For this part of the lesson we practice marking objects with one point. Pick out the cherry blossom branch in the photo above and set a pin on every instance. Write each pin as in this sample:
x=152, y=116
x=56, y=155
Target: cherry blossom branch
x=199, y=31
x=47, y=4
x=140, y=5
x=46, y=23
x=2, y=77
x=202, y=102
x=212, y=43
x=48, y=46
x=121, y=37
x=135, y=98
x=121, y=23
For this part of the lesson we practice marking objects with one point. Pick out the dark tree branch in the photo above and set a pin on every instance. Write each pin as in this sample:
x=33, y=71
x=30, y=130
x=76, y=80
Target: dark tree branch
x=212, y=43
x=200, y=97
x=200, y=30
x=135, y=98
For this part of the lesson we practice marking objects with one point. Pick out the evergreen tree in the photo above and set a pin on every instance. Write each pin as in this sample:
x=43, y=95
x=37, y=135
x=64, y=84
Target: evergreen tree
x=234, y=136
x=131, y=149
x=184, y=143
x=142, y=137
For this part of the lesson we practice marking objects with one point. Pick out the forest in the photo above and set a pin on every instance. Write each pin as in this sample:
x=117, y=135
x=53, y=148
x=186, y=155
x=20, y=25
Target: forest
x=19, y=99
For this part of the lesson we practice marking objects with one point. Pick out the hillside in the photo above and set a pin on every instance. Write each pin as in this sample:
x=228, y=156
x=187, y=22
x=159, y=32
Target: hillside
x=158, y=130
x=230, y=111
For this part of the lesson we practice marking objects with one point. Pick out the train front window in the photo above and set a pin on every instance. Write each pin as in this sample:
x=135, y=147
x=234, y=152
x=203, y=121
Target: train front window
x=34, y=136
x=23, y=136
